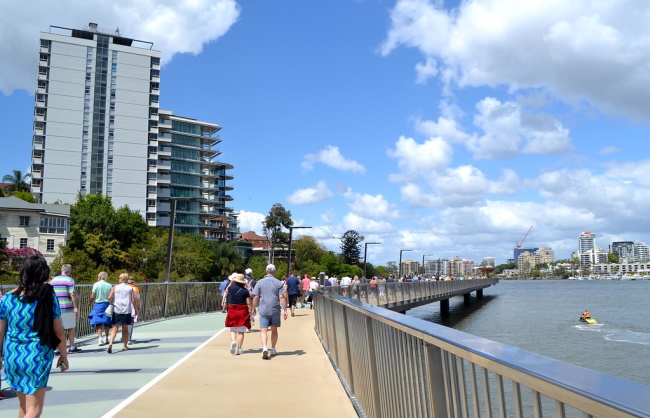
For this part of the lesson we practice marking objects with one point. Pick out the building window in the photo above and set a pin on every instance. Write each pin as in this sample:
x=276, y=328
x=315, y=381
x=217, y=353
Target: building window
x=45, y=43
x=42, y=70
x=42, y=84
x=155, y=61
x=24, y=221
x=3, y=240
x=50, y=245
x=51, y=225
x=23, y=242
x=40, y=111
x=40, y=97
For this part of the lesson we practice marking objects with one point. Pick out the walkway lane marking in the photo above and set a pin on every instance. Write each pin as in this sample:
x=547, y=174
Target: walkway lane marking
x=158, y=378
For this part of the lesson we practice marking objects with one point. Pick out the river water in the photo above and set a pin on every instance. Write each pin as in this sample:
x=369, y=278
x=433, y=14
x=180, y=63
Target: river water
x=542, y=316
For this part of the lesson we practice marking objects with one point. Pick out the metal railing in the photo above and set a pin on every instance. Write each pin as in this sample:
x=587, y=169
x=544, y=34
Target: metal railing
x=397, y=294
x=158, y=301
x=393, y=365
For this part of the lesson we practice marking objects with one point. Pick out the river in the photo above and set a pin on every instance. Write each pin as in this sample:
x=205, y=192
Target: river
x=542, y=316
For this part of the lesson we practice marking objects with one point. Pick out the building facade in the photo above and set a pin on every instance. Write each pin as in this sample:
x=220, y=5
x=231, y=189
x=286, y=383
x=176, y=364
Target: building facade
x=410, y=268
x=586, y=248
x=624, y=250
x=40, y=226
x=98, y=129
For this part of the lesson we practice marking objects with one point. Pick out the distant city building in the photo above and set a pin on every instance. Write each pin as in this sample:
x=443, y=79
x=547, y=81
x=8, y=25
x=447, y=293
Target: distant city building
x=639, y=252
x=489, y=262
x=586, y=248
x=39, y=226
x=410, y=267
x=261, y=247
x=596, y=256
x=98, y=129
x=621, y=268
x=624, y=250
x=519, y=251
x=528, y=261
x=439, y=267
x=544, y=255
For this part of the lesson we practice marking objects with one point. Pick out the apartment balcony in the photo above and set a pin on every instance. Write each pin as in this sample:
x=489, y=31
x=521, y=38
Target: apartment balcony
x=165, y=151
x=165, y=124
x=163, y=207
x=38, y=145
x=36, y=174
x=164, y=179
x=164, y=165
x=164, y=193
x=41, y=90
x=42, y=76
x=36, y=189
x=37, y=160
x=162, y=222
x=39, y=118
x=45, y=49
x=154, y=117
x=152, y=222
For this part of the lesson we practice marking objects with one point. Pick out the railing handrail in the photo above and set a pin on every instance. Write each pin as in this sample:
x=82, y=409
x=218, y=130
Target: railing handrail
x=590, y=391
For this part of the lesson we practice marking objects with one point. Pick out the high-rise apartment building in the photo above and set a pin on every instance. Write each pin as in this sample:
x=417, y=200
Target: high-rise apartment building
x=98, y=129
x=586, y=248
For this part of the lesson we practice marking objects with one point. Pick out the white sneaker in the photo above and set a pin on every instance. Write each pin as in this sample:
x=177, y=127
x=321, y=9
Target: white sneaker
x=273, y=352
x=233, y=347
x=100, y=341
x=265, y=353
x=240, y=352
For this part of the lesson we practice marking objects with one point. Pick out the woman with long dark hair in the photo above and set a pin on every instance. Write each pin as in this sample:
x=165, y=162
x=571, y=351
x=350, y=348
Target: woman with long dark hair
x=30, y=330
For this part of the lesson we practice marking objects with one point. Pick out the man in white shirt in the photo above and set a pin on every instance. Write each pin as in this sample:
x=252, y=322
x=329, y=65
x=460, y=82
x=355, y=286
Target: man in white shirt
x=345, y=282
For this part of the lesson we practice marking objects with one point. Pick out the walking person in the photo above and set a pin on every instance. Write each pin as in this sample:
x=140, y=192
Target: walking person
x=293, y=285
x=30, y=329
x=97, y=316
x=313, y=286
x=240, y=310
x=134, y=311
x=123, y=300
x=269, y=296
x=64, y=289
x=306, y=282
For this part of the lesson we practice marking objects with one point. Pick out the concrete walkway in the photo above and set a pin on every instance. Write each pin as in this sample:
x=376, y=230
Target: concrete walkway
x=182, y=367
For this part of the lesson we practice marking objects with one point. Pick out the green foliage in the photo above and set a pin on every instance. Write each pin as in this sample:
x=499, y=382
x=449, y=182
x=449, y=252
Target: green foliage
x=351, y=270
x=351, y=247
x=308, y=250
x=24, y=195
x=258, y=265
x=18, y=181
x=331, y=263
x=506, y=266
x=278, y=219
x=379, y=272
x=612, y=258
x=310, y=267
x=392, y=268
x=227, y=259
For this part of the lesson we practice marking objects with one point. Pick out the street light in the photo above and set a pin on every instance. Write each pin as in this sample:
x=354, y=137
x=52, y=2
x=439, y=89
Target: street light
x=365, y=252
x=423, y=269
x=400, y=263
x=291, y=228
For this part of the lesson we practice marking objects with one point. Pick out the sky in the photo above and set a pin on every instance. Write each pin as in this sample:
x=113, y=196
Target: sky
x=444, y=127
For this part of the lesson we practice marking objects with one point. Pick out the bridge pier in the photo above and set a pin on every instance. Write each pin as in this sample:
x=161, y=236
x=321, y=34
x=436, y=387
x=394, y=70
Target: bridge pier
x=479, y=294
x=467, y=299
x=444, y=307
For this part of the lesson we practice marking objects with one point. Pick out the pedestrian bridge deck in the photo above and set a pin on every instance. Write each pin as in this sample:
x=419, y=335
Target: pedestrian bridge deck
x=182, y=367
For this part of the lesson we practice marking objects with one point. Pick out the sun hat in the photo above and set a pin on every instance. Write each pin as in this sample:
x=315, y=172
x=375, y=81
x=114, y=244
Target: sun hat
x=239, y=278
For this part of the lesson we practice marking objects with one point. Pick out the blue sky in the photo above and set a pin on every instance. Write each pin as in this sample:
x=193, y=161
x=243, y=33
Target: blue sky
x=448, y=128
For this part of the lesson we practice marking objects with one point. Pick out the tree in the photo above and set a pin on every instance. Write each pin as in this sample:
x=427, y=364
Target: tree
x=612, y=258
x=18, y=181
x=308, y=250
x=351, y=247
x=391, y=268
x=273, y=225
x=331, y=263
x=23, y=195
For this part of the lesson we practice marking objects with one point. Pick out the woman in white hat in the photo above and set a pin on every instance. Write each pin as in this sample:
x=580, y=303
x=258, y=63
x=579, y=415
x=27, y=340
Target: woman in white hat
x=239, y=312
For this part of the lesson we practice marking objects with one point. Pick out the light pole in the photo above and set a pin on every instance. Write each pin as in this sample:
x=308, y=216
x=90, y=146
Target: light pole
x=365, y=252
x=291, y=228
x=399, y=268
x=424, y=271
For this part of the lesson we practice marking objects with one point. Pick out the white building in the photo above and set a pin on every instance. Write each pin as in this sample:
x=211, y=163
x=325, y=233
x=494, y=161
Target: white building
x=586, y=243
x=39, y=226
x=98, y=129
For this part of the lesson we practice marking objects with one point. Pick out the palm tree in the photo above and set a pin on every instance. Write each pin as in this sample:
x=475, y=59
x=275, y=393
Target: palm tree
x=17, y=180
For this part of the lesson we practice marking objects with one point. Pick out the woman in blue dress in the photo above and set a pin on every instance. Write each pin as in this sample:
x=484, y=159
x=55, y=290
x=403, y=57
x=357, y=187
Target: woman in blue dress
x=30, y=330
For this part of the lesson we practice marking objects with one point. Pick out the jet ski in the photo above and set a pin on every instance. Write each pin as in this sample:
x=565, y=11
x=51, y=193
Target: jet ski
x=588, y=320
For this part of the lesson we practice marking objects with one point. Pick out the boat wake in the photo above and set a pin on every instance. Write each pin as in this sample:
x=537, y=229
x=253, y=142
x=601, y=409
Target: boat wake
x=617, y=335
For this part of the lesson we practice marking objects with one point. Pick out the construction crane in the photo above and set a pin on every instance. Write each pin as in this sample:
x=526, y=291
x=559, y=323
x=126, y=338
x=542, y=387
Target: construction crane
x=519, y=244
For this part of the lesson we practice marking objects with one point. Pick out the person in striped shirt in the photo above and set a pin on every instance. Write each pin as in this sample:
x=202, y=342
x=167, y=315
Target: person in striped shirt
x=64, y=289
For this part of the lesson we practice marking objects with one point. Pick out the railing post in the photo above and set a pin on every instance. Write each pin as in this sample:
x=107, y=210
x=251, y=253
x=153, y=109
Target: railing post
x=436, y=381
x=374, y=377
x=205, y=298
x=187, y=285
x=143, y=312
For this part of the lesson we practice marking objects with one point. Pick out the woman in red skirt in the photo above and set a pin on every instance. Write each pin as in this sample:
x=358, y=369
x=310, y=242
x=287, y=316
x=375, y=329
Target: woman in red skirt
x=239, y=313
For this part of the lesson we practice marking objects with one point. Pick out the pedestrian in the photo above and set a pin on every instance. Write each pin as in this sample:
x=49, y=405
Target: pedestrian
x=2, y=395
x=222, y=291
x=269, y=295
x=30, y=329
x=64, y=289
x=293, y=292
x=134, y=311
x=250, y=285
x=306, y=282
x=240, y=310
x=313, y=286
x=123, y=300
x=345, y=282
x=97, y=316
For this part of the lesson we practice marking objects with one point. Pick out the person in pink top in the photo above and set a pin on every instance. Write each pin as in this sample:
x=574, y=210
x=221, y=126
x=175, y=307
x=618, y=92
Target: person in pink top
x=306, y=281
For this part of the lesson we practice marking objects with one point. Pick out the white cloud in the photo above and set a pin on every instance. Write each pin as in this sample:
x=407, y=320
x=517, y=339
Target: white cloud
x=331, y=156
x=251, y=221
x=319, y=193
x=375, y=207
x=414, y=158
x=174, y=27
x=365, y=225
x=609, y=150
x=575, y=50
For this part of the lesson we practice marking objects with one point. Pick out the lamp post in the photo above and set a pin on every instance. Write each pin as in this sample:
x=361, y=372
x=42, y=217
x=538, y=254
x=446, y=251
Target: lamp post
x=399, y=269
x=291, y=228
x=423, y=269
x=365, y=252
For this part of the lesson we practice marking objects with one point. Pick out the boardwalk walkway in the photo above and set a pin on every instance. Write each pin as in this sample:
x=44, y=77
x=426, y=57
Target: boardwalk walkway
x=182, y=367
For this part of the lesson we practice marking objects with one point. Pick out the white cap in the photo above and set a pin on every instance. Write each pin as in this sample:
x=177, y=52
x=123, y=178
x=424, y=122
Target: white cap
x=249, y=271
x=232, y=276
x=270, y=268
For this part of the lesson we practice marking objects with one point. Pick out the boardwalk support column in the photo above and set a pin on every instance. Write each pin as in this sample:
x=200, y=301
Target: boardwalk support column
x=444, y=306
x=467, y=299
x=479, y=294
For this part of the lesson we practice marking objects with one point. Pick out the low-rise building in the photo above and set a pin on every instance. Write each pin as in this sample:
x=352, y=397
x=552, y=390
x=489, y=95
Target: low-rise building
x=40, y=226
